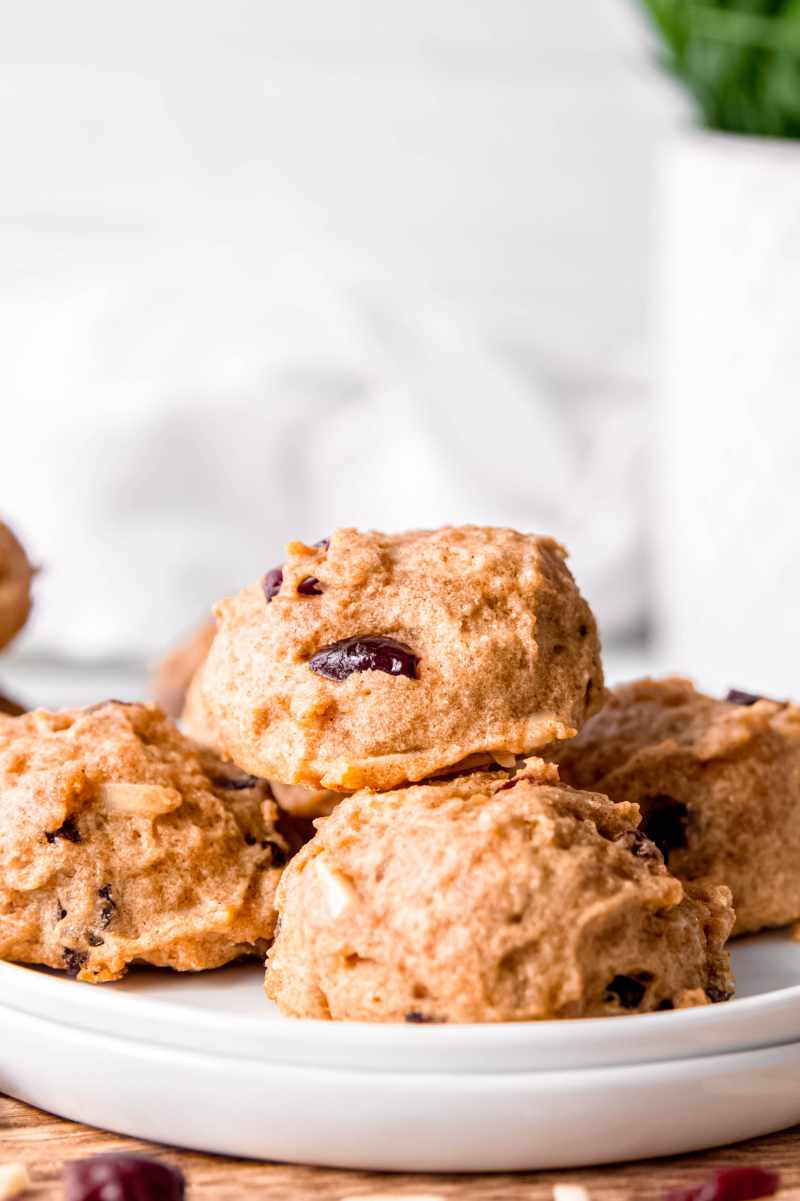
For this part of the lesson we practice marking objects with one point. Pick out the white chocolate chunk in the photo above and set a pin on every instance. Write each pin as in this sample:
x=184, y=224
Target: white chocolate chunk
x=504, y=758
x=337, y=887
x=570, y=1192
x=144, y=800
x=14, y=1180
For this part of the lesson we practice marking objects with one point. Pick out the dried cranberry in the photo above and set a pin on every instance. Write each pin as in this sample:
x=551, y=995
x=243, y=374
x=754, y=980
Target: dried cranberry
x=717, y=995
x=419, y=1019
x=94, y=940
x=323, y=543
x=626, y=990
x=309, y=586
x=68, y=831
x=122, y=1177
x=272, y=582
x=665, y=822
x=60, y=910
x=730, y=1184
x=638, y=844
x=365, y=652
x=737, y=697
x=74, y=960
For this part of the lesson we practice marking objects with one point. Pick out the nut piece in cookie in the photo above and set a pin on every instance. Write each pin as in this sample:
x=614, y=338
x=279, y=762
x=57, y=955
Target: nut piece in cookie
x=484, y=899
x=410, y=653
x=16, y=574
x=121, y=841
x=717, y=782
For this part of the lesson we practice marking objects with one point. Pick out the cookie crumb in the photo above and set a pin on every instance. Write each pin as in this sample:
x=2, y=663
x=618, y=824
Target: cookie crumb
x=570, y=1192
x=14, y=1180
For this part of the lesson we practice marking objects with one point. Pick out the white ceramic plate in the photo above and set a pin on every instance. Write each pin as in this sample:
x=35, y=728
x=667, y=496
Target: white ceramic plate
x=204, y=1062
x=226, y=1013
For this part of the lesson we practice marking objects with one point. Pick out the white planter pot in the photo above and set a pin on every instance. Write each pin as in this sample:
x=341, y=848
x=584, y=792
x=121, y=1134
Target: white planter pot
x=727, y=561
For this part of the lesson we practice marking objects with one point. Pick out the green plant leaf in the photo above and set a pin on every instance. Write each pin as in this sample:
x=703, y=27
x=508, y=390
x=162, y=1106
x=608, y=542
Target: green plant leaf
x=739, y=59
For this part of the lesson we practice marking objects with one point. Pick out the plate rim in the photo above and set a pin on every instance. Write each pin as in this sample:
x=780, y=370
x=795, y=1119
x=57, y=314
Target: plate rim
x=459, y=1048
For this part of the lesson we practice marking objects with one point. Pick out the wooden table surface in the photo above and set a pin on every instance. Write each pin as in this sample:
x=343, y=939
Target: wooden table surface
x=44, y=1143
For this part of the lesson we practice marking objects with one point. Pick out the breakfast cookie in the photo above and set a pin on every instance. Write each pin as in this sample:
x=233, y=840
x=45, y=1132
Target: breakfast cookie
x=122, y=842
x=488, y=899
x=370, y=659
x=177, y=669
x=16, y=574
x=717, y=781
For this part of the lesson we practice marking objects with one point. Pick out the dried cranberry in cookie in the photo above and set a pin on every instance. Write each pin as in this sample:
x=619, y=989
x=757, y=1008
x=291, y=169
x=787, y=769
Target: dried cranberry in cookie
x=464, y=901
x=367, y=652
x=122, y=841
x=717, y=782
x=413, y=652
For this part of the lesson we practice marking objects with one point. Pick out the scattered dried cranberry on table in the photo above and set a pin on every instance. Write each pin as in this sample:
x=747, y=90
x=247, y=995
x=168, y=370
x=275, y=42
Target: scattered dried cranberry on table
x=122, y=1177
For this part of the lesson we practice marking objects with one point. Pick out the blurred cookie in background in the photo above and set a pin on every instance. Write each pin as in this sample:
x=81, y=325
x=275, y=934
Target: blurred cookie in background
x=176, y=670
x=9, y=707
x=16, y=574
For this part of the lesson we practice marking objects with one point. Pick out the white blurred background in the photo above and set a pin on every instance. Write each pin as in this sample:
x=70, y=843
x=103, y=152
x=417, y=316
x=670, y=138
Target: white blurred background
x=269, y=268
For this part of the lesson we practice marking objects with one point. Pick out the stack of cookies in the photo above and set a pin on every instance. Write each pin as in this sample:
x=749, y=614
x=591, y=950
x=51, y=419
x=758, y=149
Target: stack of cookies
x=415, y=688
x=495, y=838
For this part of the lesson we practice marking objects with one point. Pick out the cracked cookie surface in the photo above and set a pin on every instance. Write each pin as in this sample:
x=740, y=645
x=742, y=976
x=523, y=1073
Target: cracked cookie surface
x=480, y=899
x=121, y=841
x=371, y=659
x=718, y=783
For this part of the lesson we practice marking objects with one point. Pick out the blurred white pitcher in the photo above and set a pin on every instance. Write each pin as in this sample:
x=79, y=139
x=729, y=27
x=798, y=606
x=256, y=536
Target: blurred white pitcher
x=728, y=494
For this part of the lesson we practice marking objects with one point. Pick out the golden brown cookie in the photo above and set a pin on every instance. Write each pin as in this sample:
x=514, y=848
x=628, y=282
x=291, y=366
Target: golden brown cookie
x=718, y=783
x=16, y=574
x=293, y=798
x=122, y=842
x=373, y=659
x=481, y=899
x=177, y=669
